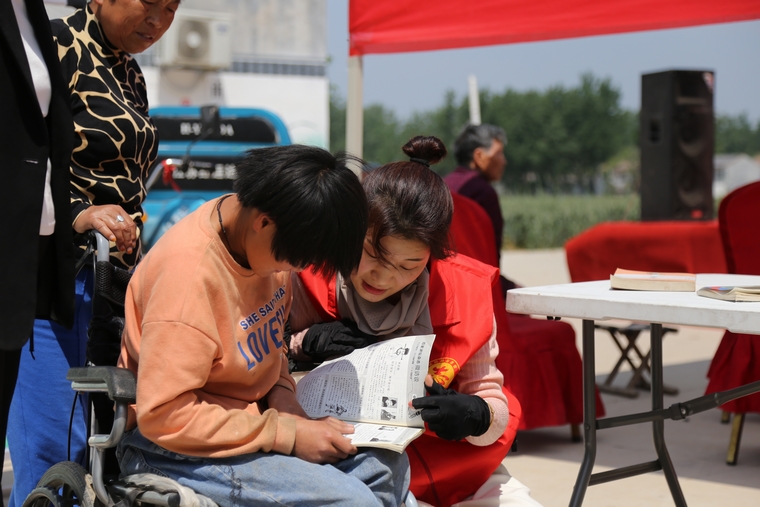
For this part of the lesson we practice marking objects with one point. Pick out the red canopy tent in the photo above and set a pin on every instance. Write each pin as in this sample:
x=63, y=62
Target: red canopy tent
x=422, y=25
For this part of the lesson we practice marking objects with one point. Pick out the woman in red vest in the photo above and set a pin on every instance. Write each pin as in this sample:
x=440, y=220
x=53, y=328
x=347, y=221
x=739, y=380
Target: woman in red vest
x=409, y=282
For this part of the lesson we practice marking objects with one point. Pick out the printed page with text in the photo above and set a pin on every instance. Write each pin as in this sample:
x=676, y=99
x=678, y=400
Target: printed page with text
x=371, y=388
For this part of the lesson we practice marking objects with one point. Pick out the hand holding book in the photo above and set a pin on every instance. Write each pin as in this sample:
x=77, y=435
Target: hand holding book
x=327, y=340
x=452, y=415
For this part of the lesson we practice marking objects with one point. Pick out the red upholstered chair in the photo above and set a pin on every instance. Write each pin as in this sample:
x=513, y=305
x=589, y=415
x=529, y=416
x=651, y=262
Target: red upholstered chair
x=471, y=231
x=667, y=246
x=539, y=358
x=737, y=360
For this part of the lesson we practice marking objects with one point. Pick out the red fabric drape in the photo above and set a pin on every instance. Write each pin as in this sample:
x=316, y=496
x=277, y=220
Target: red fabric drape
x=668, y=246
x=737, y=360
x=423, y=25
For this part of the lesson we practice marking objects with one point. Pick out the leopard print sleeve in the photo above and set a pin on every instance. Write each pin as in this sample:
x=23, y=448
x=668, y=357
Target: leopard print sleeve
x=116, y=142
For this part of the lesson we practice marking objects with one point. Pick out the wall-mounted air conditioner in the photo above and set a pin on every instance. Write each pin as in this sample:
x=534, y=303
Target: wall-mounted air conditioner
x=197, y=39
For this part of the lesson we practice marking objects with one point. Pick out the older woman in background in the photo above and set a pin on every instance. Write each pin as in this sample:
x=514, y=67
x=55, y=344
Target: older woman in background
x=115, y=144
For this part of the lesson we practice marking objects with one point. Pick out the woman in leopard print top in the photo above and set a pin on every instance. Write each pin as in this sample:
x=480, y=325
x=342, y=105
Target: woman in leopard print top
x=115, y=145
x=115, y=140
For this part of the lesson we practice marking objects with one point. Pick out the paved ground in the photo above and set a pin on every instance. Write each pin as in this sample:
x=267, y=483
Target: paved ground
x=548, y=462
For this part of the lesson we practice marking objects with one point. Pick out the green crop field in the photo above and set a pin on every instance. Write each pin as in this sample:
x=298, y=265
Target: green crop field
x=547, y=221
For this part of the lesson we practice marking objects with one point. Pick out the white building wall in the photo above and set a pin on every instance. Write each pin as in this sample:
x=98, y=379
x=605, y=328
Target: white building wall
x=295, y=29
x=302, y=102
x=734, y=170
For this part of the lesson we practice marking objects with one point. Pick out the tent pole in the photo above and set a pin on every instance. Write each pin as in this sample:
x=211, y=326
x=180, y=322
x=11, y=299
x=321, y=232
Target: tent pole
x=472, y=85
x=355, y=108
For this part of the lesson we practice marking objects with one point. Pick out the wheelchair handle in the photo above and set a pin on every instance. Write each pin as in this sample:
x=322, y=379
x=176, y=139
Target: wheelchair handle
x=102, y=246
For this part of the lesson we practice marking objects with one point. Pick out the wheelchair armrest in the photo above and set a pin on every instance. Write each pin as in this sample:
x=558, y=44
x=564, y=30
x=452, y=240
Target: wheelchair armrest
x=119, y=383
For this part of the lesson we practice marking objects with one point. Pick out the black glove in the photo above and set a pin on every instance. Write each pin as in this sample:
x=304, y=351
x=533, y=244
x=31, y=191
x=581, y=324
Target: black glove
x=331, y=339
x=452, y=415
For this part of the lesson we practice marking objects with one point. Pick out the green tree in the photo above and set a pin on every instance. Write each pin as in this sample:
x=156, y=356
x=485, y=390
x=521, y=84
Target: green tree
x=558, y=138
x=382, y=139
x=735, y=134
x=444, y=122
x=337, y=121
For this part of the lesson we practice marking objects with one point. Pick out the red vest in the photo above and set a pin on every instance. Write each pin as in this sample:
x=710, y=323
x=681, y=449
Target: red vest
x=461, y=311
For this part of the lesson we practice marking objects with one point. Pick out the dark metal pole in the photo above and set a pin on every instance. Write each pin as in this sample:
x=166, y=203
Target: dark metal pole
x=589, y=415
x=658, y=427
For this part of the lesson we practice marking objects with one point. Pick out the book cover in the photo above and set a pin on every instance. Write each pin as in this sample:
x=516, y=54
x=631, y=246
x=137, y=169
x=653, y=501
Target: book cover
x=629, y=279
x=371, y=389
x=731, y=293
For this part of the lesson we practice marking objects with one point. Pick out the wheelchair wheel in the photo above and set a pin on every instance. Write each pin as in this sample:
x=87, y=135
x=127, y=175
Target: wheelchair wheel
x=43, y=497
x=70, y=482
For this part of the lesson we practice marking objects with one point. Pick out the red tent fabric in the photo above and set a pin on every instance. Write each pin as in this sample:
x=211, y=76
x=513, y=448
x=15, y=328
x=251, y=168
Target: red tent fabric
x=423, y=25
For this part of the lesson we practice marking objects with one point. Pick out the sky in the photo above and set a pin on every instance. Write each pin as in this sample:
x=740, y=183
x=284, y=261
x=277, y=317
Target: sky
x=408, y=82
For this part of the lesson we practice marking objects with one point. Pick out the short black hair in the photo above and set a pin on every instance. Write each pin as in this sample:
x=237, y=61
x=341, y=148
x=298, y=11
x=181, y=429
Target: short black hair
x=410, y=201
x=473, y=137
x=315, y=201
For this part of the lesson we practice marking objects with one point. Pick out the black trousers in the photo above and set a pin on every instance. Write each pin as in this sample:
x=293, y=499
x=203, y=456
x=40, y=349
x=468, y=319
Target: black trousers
x=9, y=361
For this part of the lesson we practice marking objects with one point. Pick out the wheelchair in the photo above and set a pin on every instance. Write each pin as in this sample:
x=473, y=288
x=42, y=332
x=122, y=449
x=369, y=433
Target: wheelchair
x=111, y=390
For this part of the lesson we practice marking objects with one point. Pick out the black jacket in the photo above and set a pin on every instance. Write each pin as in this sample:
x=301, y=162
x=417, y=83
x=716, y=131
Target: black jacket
x=27, y=140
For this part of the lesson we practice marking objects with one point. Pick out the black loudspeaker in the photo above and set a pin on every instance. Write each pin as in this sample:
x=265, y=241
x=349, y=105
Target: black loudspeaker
x=677, y=140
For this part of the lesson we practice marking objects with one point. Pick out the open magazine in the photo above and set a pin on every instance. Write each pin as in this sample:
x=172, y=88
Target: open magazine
x=370, y=388
x=731, y=293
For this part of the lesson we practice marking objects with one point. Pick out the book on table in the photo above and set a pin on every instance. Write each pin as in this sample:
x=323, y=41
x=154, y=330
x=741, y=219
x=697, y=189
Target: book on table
x=371, y=389
x=731, y=293
x=629, y=279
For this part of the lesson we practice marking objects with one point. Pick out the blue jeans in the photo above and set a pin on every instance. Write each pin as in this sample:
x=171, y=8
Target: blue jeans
x=38, y=423
x=373, y=477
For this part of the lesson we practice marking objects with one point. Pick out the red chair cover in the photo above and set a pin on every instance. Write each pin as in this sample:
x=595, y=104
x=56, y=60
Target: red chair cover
x=691, y=247
x=737, y=360
x=539, y=358
x=471, y=231
x=545, y=371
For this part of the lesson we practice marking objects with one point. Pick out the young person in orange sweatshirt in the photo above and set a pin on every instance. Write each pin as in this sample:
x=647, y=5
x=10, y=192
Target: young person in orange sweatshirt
x=205, y=315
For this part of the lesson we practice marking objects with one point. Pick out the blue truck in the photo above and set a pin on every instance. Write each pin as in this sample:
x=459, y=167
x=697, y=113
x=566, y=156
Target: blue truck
x=193, y=167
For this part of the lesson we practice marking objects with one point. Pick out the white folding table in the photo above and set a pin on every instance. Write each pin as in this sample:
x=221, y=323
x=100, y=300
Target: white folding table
x=592, y=301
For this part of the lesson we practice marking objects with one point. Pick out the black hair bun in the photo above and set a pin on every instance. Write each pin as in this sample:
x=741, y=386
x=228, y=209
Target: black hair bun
x=428, y=148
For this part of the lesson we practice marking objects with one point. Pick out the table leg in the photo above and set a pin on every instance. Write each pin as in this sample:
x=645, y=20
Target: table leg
x=589, y=416
x=658, y=427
